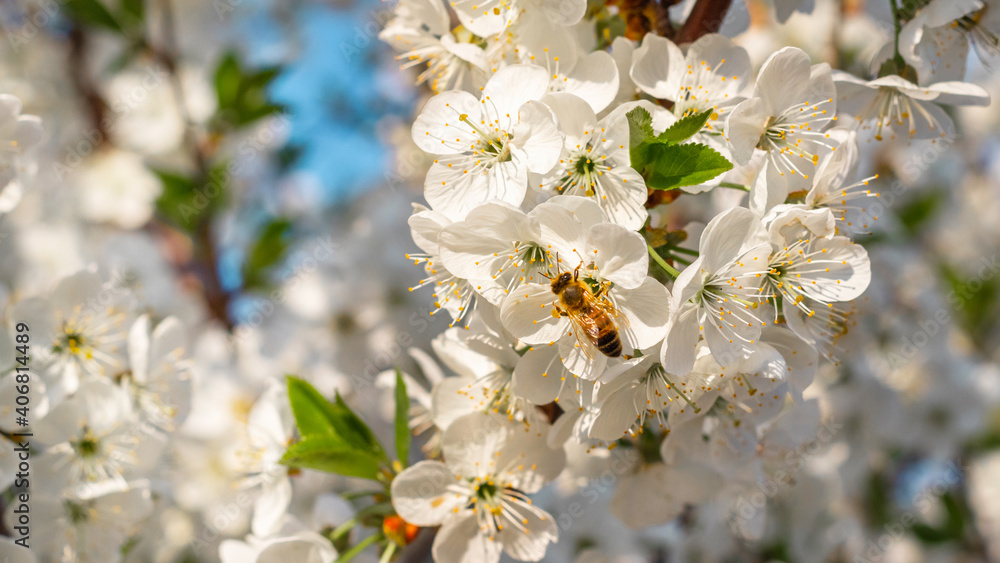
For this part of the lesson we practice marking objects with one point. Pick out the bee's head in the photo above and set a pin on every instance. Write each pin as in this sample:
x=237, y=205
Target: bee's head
x=561, y=281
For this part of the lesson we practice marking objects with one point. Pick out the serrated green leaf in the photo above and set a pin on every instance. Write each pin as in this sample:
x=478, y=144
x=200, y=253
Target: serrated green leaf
x=330, y=454
x=402, y=421
x=640, y=126
x=92, y=12
x=684, y=128
x=646, y=152
x=640, y=130
x=675, y=166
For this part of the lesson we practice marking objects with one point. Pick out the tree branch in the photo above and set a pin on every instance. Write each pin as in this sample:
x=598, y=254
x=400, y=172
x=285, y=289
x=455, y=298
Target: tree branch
x=706, y=17
x=97, y=108
x=205, y=259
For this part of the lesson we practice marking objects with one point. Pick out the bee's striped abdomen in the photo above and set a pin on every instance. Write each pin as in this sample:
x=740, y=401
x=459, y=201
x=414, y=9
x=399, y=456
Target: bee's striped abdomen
x=604, y=333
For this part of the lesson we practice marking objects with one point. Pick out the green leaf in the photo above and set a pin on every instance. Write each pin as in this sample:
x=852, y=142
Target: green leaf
x=186, y=203
x=355, y=431
x=176, y=202
x=684, y=128
x=331, y=455
x=314, y=415
x=136, y=9
x=92, y=12
x=242, y=93
x=317, y=417
x=640, y=126
x=675, y=166
x=228, y=77
x=269, y=249
x=647, y=149
x=916, y=213
x=402, y=421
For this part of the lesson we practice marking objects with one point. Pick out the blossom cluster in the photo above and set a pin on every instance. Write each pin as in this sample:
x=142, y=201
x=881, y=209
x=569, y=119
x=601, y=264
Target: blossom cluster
x=576, y=327
x=694, y=295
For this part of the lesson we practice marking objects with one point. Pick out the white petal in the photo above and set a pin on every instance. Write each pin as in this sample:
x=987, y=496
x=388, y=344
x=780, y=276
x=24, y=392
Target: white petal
x=619, y=254
x=468, y=247
x=581, y=357
x=595, y=79
x=425, y=227
x=562, y=232
x=681, y=342
x=527, y=313
x=270, y=507
x=438, y=130
x=420, y=494
x=529, y=461
x=724, y=236
x=306, y=547
x=960, y=94
x=456, y=190
x=618, y=412
x=529, y=545
x=537, y=136
x=782, y=78
x=623, y=196
x=583, y=208
x=564, y=12
x=511, y=87
x=471, y=442
x=647, y=308
x=643, y=499
x=657, y=67
x=801, y=358
x=573, y=115
x=479, y=15
x=461, y=541
x=453, y=398
x=539, y=375
x=138, y=348
x=744, y=127
x=840, y=273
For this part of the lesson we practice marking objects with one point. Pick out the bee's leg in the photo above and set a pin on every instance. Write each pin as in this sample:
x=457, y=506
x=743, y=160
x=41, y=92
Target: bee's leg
x=558, y=312
x=601, y=289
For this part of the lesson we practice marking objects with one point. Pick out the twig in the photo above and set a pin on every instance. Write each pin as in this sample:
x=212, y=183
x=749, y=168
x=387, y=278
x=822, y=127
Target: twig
x=97, y=108
x=206, y=256
x=673, y=272
x=706, y=17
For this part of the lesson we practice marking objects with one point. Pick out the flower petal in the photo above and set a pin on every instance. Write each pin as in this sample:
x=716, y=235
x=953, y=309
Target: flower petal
x=461, y=541
x=527, y=313
x=657, y=67
x=619, y=254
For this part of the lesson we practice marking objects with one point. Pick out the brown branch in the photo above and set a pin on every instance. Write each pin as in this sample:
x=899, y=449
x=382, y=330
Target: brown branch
x=706, y=17
x=96, y=107
x=205, y=256
x=664, y=27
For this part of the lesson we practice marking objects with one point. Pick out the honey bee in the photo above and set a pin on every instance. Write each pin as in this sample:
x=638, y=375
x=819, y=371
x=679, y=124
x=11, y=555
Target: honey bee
x=591, y=313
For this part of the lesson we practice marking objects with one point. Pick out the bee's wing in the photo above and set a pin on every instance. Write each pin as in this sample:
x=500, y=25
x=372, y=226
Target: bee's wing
x=605, y=304
x=582, y=326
